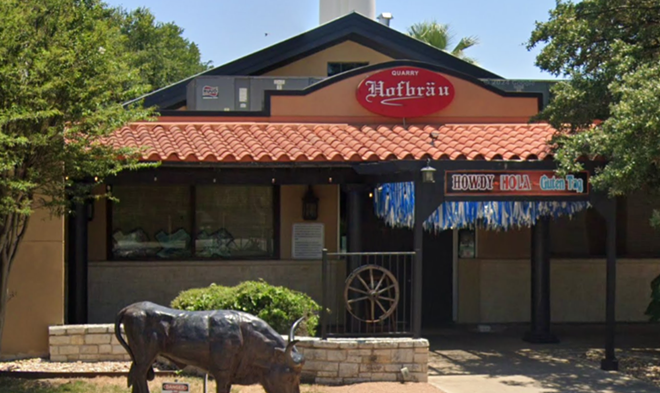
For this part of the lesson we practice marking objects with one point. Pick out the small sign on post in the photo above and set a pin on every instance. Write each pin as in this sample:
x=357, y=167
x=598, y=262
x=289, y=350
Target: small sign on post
x=175, y=387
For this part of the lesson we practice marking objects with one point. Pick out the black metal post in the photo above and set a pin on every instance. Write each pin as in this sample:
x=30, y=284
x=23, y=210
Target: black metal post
x=77, y=269
x=354, y=206
x=324, y=296
x=540, y=281
x=417, y=267
x=610, y=362
x=355, y=202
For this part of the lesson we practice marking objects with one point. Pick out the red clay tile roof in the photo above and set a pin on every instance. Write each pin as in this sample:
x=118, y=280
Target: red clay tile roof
x=268, y=142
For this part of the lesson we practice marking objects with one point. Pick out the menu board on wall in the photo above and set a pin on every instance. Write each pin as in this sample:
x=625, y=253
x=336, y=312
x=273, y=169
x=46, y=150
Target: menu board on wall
x=307, y=241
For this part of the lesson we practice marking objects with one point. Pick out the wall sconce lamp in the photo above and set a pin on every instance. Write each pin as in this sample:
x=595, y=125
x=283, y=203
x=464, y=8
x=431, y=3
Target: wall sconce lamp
x=428, y=173
x=310, y=205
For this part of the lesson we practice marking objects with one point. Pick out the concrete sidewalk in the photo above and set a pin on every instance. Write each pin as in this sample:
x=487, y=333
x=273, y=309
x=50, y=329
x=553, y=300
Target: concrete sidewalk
x=463, y=361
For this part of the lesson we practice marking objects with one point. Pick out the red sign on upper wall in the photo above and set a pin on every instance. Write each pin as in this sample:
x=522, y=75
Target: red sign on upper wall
x=405, y=92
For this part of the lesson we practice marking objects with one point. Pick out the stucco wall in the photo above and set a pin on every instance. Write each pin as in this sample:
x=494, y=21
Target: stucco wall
x=317, y=64
x=36, y=283
x=498, y=290
x=291, y=213
x=113, y=285
x=337, y=103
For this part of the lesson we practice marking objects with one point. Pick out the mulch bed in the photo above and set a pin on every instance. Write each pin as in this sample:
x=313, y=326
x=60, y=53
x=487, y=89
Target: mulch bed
x=38, y=368
x=641, y=363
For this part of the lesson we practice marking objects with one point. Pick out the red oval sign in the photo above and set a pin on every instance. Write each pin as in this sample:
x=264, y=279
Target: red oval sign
x=405, y=92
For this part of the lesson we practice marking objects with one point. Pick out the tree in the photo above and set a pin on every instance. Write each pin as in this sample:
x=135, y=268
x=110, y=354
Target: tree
x=162, y=55
x=610, y=105
x=609, y=51
x=439, y=35
x=64, y=73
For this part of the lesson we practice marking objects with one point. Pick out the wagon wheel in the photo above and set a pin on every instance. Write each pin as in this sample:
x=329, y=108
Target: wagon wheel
x=372, y=291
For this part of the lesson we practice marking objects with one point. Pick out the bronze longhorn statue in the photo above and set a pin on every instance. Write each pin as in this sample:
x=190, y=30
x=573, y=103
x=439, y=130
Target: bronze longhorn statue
x=232, y=346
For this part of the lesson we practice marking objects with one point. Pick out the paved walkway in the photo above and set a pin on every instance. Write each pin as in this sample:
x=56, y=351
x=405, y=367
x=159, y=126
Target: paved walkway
x=500, y=362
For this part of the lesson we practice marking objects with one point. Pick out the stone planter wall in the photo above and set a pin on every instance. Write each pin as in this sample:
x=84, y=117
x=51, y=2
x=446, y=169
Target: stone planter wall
x=71, y=343
x=332, y=361
x=345, y=361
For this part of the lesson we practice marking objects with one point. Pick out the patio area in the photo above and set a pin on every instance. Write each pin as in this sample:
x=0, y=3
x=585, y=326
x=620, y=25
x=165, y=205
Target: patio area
x=466, y=360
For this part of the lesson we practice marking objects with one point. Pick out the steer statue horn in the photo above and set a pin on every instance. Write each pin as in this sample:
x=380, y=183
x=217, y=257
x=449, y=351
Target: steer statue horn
x=233, y=346
x=294, y=359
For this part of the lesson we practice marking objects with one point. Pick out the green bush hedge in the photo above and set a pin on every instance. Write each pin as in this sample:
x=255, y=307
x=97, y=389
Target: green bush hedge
x=278, y=306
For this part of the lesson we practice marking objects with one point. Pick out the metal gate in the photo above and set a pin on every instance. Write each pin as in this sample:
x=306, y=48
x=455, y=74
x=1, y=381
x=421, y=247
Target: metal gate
x=367, y=294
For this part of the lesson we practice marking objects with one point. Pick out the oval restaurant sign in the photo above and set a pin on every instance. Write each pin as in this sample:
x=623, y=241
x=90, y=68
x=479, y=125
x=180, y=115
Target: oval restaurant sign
x=405, y=92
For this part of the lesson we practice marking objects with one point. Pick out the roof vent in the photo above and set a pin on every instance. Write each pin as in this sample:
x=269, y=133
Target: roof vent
x=385, y=18
x=333, y=9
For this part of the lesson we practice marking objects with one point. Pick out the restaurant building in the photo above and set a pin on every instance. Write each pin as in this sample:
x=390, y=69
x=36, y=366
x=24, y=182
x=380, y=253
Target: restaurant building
x=319, y=142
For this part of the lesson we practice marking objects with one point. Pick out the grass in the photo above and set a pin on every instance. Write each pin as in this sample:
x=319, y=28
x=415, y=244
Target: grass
x=116, y=385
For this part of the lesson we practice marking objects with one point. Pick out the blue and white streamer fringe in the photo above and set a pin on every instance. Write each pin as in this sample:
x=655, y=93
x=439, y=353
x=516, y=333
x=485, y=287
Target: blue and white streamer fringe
x=395, y=203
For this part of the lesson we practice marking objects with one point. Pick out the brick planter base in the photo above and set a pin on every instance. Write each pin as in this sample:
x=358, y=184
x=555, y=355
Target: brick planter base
x=71, y=343
x=333, y=361
x=344, y=361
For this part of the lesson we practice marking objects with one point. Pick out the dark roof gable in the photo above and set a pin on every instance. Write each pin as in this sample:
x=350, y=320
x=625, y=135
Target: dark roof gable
x=352, y=27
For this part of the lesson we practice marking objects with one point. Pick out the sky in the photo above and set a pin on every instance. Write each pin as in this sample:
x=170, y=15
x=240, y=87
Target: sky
x=226, y=30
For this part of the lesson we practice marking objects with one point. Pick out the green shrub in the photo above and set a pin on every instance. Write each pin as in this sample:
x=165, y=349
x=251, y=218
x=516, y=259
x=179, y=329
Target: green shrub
x=278, y=306
x=214, y=297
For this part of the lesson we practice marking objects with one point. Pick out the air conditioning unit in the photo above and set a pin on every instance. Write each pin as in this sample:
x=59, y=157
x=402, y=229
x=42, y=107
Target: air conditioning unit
x=523, y=85
x=238, y=93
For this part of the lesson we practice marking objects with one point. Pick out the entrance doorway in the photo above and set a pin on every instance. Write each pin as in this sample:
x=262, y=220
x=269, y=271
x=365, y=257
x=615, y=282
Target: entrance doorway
x=437, y=279
x=437, y=266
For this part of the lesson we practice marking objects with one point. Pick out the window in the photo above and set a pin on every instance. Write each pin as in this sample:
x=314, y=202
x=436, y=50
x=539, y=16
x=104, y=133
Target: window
x=151, y=222
x=338, y=68
x=234, y=222
x=157, y=222
x=467, y=243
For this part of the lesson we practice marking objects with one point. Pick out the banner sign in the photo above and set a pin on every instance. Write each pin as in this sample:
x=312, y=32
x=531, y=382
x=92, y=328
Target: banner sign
x=405, y=92
x=515, y=183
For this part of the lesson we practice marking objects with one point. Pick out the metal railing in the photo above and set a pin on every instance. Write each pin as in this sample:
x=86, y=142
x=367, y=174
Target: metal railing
x=367, y=294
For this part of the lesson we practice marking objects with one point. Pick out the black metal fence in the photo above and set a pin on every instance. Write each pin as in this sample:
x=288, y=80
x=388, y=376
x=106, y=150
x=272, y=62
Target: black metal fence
x=367, y=294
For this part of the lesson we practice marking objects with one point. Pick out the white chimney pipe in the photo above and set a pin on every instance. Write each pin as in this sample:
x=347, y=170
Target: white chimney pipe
x=332, y=9
x=385, y=18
